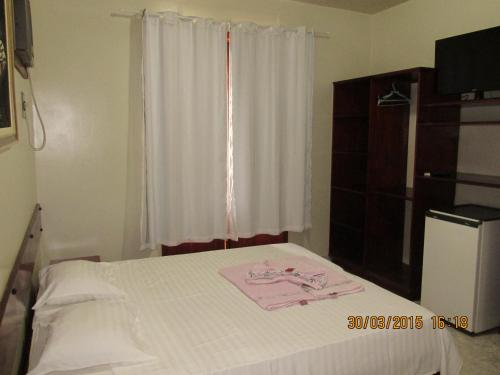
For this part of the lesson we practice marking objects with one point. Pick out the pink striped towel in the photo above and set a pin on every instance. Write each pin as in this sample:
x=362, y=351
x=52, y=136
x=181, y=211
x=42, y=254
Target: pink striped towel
x=276, y=291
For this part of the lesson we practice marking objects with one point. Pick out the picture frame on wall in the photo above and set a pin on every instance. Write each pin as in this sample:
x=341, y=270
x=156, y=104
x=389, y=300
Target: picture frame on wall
x=8, y=128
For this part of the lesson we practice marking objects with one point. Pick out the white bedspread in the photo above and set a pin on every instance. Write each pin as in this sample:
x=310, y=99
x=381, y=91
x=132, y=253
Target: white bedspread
x=197, y=322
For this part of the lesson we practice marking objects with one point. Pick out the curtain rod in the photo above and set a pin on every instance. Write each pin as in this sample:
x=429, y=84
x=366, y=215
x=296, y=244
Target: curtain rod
x=139, y=14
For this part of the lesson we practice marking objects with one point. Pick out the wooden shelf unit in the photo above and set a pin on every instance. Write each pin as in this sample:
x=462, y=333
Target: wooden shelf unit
x=461, y=123
x=456, y=102
x=352, y=116
x=353, y=191
x=349, y=172
x=354, y=153
x=467, y=179
x=406, y=194
x=371, y=203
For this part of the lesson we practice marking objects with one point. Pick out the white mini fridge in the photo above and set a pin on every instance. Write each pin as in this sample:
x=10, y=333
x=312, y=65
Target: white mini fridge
x=461, y=266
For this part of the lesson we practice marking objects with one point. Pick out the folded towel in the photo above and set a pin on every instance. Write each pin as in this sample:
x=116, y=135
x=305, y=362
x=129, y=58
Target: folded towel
x=346, y=287
x=273, y=294
x=268, y=273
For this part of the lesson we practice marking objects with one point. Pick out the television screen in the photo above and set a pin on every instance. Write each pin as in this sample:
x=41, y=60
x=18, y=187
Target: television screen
x=469, y=62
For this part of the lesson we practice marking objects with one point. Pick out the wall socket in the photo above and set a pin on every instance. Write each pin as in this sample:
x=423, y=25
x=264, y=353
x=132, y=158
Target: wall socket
x=23, y=105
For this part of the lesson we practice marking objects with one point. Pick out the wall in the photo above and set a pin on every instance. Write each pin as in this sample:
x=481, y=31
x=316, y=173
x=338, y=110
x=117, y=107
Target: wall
x=404, y=36
x=86, y=68
x=18, y=188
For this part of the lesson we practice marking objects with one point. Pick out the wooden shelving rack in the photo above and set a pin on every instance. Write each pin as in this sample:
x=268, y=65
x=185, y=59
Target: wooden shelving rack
x=369, y=194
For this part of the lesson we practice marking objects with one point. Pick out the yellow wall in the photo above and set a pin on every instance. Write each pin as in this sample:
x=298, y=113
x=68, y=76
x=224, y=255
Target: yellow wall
x=83, y=68
x=86, y=69
x=17, y=189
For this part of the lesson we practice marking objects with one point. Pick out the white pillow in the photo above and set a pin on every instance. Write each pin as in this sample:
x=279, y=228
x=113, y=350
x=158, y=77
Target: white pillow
x=76, y=281
x=88, y=336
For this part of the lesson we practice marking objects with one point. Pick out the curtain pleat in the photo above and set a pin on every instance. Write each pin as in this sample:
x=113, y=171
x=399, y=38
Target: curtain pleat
x=272, y=89
x=184, y=63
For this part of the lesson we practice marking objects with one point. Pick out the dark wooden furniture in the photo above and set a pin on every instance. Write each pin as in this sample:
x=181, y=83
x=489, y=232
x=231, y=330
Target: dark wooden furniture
x=259, y=239
x=16, y=302
x=370, y=197
x=196, y=247
x=91, y=258
x=192, y=247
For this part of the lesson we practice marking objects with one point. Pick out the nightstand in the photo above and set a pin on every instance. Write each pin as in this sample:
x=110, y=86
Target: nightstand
x=91, y=258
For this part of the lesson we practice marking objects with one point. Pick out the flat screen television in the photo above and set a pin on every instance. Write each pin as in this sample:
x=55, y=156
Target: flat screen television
x=469, y=62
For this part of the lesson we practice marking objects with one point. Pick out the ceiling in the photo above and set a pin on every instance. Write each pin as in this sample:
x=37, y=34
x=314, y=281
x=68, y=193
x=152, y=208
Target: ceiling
x=364, y=6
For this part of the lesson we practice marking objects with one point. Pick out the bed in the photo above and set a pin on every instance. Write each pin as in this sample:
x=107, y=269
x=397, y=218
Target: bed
x=16, y=301
x=196, y=322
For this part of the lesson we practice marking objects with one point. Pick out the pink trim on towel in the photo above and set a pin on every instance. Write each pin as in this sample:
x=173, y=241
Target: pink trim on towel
x=274, y=295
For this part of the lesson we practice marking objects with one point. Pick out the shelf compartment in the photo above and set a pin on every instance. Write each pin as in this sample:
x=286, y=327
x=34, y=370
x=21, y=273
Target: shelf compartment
x=437, y=149
x=465, y=103
x=459, y=123
x=348, y=226
x=348, y=210
x=467, y=179
x=405, y=194
x=389, y=273
x=388, y=139
x=350, y=135
x=396, y=278
x=386, y=237
x=342, y=116
x=351, y=98
x=347, y=264
x=346, y=244
x=349, y=171
x=357, y=191
x=354, y=153
x=385, y=225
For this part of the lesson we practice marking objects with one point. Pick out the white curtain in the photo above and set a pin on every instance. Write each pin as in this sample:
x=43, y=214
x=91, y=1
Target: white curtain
x=272, y=86
x=185, y=118
x=135, y=149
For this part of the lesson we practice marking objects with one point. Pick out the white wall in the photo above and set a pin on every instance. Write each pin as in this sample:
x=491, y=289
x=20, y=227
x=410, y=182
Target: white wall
x=84, y=67
x=18, y=189
x=479, y=152
x=404, y=37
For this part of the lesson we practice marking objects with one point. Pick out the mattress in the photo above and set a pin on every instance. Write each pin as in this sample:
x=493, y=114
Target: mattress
x=196, y=322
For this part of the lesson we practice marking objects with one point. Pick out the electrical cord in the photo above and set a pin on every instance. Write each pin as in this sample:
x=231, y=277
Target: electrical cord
x=42, y=125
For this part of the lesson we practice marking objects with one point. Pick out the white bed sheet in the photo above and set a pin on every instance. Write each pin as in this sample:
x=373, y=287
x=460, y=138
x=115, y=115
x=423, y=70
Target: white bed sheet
x=196, y=322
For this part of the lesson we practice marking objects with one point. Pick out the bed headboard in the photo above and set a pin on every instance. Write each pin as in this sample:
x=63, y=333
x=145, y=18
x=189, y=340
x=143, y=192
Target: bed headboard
x=16, y=302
